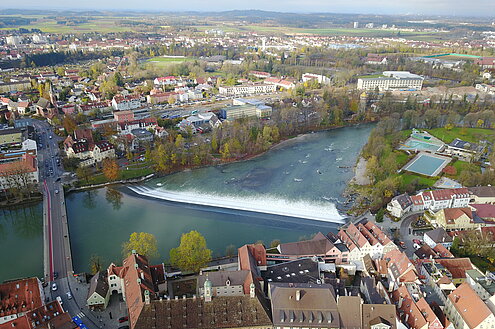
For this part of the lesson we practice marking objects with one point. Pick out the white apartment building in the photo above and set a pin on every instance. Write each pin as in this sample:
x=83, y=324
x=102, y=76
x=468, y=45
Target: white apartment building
x=392, y=80
x=247, y=89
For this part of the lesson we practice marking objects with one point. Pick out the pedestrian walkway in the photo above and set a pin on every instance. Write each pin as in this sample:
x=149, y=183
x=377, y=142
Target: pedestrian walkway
x=81, y=315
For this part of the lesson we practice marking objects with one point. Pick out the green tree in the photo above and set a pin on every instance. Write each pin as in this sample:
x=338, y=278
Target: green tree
x=192, y=253
x=143, y=243
x=379, y=216
x=274, y=243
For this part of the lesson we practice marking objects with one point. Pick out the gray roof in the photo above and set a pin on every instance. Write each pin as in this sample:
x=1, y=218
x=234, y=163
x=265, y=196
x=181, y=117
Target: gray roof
x=219, y=278
x=304, y=305
x=98, y=284
x=459, y=143
x=302, y=270
x=439, y=235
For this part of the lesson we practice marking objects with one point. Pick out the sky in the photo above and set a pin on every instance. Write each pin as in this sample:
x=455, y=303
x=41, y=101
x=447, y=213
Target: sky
x=427, y=7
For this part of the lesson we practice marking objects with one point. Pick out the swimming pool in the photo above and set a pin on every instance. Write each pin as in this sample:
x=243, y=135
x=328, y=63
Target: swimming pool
x=416, y=145
x=427, y=164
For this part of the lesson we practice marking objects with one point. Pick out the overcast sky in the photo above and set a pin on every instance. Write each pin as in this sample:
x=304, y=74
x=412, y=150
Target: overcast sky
x=429, y=7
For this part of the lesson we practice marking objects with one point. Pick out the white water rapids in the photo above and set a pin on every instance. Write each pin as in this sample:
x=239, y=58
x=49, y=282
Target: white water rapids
x=325, y=212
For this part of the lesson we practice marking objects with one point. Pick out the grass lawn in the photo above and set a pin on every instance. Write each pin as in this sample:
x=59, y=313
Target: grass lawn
x=407, y=178
x=472, y=135
x=124, y=174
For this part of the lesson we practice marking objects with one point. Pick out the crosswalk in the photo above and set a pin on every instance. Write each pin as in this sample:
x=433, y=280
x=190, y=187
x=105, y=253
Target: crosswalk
x=81, y=315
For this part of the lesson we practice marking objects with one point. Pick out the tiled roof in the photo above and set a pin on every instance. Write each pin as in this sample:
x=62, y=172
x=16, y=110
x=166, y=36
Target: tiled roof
x=196, y=313
x=49, y=316
x=452, y=214
x=456, y=266
x=20, y=296
x=469, y=305
x=319, y=245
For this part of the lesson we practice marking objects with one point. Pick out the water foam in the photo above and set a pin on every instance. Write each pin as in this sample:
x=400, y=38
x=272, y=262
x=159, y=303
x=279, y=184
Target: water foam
x=300, y=209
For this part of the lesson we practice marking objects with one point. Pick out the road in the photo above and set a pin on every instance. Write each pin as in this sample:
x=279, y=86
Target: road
x=58, y=258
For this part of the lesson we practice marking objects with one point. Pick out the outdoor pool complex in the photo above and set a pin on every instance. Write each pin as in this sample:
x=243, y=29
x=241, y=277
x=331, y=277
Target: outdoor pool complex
x=417, y=145
x=427, y=164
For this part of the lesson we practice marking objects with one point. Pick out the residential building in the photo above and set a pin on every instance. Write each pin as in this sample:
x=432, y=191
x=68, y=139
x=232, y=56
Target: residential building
x=454, y=219
x=125, y=128
x=318, y=77
x=400, y=205
x=392, y=80
x=432, y=200
x=438, y=277
x=99, y=292
x=303, y=306
x=482, y=194
x=485, y=62
x=457, y=267
x=81, y=146
x=376, y=59
x=483, y=285
x=226, y=283
x=19, y=297
x=465, y=309
x=123, y=116
x=21, y=172
x=246, y=89
x=438, y=236
x=414, y=311
x=49, y=316
x=400, y=269
x=378, y=316
x=129, y=102
x=319, y=246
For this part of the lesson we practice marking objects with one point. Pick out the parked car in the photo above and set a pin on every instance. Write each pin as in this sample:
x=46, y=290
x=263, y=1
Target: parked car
x=417, y=241
x=402, y=244
x=69, y=295
x=59, y=299
x=55, y=275
x=123, y=319
x=54, y=286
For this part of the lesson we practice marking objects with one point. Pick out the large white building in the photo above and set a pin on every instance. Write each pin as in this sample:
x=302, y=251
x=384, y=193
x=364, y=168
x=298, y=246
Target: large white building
x=247, y=89
x=392, y=80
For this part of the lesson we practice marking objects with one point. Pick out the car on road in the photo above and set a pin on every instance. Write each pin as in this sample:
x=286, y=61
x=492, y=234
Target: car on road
x=59, y=299
x=56, y=191
x=55, y=275
x=416, y=241
x=50, y=136
x=416, y=246
x=402, y=244
x=123, y=319
x=69, y=295
x=54, y=287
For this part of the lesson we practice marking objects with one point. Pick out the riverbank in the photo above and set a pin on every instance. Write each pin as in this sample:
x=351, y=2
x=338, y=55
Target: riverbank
x=19, y=203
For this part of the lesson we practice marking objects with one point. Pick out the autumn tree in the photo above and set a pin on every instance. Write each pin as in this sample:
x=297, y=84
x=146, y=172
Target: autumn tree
x=95, y=264
x=142, y=243
x=69, y=124
x=83, y=173
x=111, y=169
x=192, y=253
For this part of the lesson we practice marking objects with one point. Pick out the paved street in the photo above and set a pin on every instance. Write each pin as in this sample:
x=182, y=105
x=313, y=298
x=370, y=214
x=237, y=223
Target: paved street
x=58, y=258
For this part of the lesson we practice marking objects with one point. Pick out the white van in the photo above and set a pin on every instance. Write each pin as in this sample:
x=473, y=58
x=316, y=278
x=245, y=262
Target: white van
x=59, y=299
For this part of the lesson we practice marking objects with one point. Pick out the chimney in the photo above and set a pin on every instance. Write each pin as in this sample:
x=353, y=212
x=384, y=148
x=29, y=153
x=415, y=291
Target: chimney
x=298, y=295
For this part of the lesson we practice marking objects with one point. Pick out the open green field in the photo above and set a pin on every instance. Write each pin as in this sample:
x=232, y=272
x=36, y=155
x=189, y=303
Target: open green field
x=101, y=25
x=325, y=31
x=167, y=61
x=472, y=135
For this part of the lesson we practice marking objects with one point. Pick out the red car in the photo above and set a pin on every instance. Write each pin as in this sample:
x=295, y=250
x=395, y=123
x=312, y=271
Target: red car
x=418, y=242
x=123, y=319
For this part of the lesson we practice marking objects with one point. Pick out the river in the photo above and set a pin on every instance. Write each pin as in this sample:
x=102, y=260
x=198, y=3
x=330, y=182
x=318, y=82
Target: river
x=306, y=174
